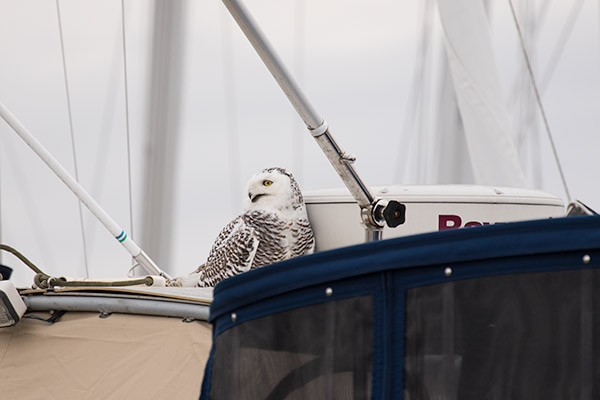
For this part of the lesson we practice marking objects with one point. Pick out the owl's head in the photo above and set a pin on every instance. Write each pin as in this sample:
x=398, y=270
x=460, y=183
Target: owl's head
x=274, y=188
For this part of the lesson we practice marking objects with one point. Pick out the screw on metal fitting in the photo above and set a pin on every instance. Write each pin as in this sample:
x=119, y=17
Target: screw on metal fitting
x=347, y=158
x=586, y=259
x=233, y=317
x=448, y=271
x=328, y=292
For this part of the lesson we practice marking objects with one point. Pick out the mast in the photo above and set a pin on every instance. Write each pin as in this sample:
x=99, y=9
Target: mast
x=163, y=128
x=375, y=212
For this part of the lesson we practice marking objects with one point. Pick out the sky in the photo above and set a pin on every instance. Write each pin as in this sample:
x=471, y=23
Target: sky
x=357, y=61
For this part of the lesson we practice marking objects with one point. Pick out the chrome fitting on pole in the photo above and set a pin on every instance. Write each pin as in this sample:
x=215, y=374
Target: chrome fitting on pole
x=319, y=130
x=371, y=215
x=383, y=212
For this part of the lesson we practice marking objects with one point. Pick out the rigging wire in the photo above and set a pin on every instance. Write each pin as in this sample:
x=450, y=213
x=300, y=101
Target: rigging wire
x=559, y=47
x=64, y=65
x=539, y=101
x=529, y=121
x=564, y=36
x=540, y=20
x=127, y=119
x=107, y=128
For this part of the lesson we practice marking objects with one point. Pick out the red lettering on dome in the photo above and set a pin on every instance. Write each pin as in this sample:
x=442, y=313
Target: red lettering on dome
x=454, y=221
x=449, y=222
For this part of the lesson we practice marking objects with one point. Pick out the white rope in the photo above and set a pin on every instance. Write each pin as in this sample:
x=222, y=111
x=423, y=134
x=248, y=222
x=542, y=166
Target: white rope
x=539, y=101
x=127, y=118
x=64, y=64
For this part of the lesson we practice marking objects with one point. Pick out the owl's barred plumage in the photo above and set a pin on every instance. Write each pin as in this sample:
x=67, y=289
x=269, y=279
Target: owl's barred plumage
x=273, y=227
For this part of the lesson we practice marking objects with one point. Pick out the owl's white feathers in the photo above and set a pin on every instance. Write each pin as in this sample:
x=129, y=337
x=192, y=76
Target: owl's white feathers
x=273, y=227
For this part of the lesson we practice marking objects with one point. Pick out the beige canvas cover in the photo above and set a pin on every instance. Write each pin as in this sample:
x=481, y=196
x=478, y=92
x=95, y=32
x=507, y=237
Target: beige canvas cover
x=123, y=356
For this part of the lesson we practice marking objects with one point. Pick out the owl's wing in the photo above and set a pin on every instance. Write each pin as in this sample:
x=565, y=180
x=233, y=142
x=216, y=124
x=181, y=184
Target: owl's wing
x=305, y=240
x=231, y=254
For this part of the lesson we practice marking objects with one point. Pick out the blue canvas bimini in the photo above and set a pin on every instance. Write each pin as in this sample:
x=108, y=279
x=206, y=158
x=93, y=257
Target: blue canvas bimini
x=509, y=311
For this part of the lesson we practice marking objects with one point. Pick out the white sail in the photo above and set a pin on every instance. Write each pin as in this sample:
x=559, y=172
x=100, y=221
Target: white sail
x=467, y=39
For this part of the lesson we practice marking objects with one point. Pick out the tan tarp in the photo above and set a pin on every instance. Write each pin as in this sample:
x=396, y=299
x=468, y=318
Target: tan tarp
x=123, y=356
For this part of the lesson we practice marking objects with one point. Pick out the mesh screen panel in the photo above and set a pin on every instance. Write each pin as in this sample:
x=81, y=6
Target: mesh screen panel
x=322, y=351
x=522, y=336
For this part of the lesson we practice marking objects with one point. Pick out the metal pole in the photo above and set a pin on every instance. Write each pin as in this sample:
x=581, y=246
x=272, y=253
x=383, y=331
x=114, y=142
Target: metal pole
x=81, y=193
x=118, y=305
x=266, y=52
x=317, y=126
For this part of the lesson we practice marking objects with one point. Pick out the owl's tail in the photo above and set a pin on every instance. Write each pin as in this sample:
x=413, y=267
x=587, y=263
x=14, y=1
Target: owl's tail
x=191, y=280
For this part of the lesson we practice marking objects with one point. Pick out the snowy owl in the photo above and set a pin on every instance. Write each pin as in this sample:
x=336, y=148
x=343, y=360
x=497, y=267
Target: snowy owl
x=273, y=227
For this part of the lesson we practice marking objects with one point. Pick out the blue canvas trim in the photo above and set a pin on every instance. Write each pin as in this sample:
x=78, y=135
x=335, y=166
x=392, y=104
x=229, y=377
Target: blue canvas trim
x=366, y=285
x=386, y=384
x=379, y=333
x=438, y=248
x=396, y=351
x=499, y=266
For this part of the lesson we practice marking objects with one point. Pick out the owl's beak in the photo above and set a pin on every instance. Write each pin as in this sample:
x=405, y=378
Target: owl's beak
x=254, y=196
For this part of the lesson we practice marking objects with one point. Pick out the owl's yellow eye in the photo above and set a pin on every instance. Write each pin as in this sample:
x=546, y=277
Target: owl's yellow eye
x=267, y=182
